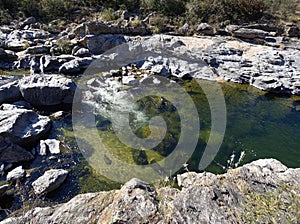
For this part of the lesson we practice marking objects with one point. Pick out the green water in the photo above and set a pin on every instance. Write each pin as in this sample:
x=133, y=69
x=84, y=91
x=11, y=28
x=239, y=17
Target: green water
x=260, y=124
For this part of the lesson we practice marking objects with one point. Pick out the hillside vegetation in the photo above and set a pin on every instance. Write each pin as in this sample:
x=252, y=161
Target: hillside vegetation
x=171, y=11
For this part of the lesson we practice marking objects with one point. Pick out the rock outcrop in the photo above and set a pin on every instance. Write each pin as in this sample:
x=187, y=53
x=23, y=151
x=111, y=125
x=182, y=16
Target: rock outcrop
x=47, y=90
x=203, y=198
x=211, y=58
x=22, y=126
x=262, y=55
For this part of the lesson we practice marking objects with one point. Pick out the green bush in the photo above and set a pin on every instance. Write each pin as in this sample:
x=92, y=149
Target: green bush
x=10, y=5
x=282, y=9
x=222, y=10
x=191, y=11
x=165, y=7
x=109, y=14
x=30, y=8
x=5, y=17
x=54, y=9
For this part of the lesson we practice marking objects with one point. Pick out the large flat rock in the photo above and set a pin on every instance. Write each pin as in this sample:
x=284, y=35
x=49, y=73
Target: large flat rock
x=47, y=90
x=22, y=126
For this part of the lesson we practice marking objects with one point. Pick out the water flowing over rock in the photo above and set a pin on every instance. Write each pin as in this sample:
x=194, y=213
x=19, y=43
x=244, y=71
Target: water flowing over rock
x=47, y=90
x=204, y=198
x=22, y=126
x=50, y=181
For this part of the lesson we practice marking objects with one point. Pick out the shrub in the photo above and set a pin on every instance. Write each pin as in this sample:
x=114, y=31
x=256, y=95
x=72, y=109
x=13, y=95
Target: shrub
x=285, y=10
x=30, y=8
x=53, y=9
x=5, y=17
x=109, y=14
x=135, y=23
x=10, y=5
x=158, y=23
x=221, y=10
x=165, y=7
x=64, y=45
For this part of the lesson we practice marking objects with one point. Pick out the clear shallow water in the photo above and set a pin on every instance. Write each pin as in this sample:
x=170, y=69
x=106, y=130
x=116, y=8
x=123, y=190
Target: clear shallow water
x=260, y=124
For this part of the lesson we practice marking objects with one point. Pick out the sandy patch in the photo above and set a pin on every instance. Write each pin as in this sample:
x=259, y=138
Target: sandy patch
x=195, y=42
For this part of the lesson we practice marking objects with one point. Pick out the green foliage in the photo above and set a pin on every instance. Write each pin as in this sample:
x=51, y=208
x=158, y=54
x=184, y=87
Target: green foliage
x=282, y=9
x=165, y=7
x=130, y=5
x=64, y=45
x=191, y=11
x=135, y=23
x=5, y=17
x=10, y=5
x=109, y=14
x=30, y=8
x=221, y=10
x=54, y=9
x=158, y=23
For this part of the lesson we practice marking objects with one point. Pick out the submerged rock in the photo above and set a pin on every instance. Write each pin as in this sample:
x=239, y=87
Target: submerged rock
x=51, y=180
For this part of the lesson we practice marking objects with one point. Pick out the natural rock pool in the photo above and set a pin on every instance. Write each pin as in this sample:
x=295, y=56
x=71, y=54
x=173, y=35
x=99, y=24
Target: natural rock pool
x=259, y=125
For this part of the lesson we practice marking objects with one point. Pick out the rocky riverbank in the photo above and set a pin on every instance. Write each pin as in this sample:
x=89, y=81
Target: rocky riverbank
x=259, y=55
x=262, y=191
x=52, y=59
